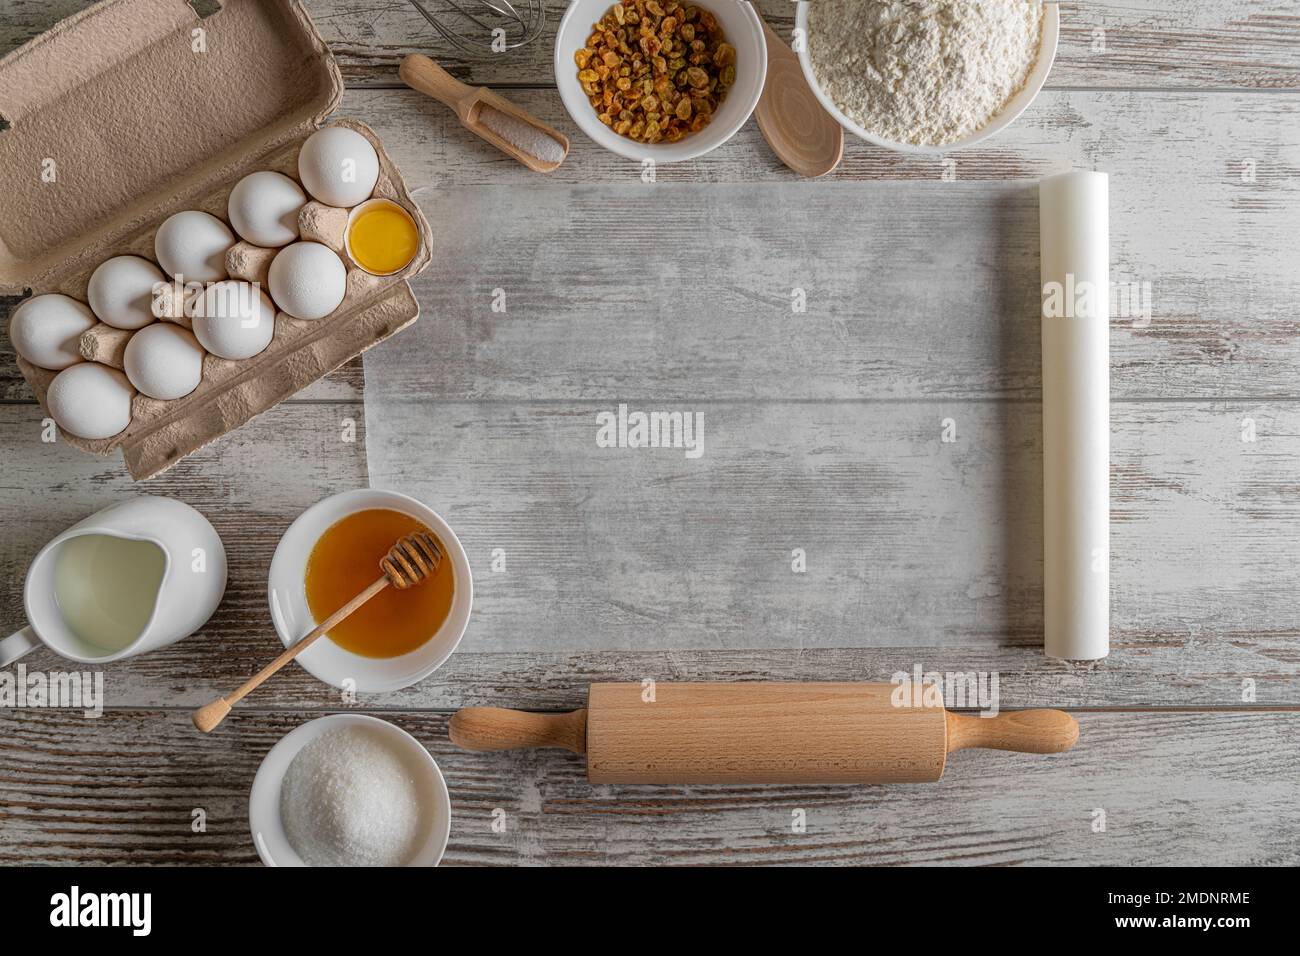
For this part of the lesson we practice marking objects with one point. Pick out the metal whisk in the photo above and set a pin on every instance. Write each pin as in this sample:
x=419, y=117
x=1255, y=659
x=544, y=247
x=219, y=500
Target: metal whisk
x=473, y=26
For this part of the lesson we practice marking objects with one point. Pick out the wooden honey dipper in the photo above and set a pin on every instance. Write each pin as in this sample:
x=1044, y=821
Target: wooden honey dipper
x=412, y=560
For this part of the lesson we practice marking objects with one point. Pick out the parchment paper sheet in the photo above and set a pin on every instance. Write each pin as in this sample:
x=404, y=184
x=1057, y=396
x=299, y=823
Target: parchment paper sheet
x=826, y=508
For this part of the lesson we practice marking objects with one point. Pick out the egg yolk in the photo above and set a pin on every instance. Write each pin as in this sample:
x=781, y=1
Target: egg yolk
x=383, y=239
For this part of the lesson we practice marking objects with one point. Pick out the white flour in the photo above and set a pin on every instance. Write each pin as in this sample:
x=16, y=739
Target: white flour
x=521, y=135
x=923, y=71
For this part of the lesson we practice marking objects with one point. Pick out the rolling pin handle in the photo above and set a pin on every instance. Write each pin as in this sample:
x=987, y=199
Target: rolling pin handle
x=1024, y=731
x=495, y=728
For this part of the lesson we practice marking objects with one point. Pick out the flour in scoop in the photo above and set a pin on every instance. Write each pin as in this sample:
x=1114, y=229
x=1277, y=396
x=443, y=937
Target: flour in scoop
x=349, y=799
x=923, y=72
x=523, y=136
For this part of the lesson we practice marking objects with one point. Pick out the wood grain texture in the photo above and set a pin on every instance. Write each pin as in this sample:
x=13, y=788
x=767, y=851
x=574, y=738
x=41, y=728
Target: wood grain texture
x=1201, y=599
x=1160, y=44
x=1022, y=731
x=584, y=319
x=1166, y=142
x=1155, y=44
x=908, y=540
x=1184, y=103
x=250, y=484
x=1233, y=336
x=768, y=732
x=124, y=788
x=499, y=728
x=1246, y=671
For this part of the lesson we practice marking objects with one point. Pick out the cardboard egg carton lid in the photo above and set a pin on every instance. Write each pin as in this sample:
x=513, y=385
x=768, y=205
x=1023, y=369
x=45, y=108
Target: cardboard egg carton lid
x=134, y=109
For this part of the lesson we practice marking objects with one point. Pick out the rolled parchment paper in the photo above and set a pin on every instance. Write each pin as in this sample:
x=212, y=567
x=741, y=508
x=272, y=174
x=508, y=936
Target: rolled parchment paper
x=1074, y=237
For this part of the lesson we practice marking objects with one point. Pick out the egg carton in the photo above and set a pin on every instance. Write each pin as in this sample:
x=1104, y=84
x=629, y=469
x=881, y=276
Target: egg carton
x=53, y=91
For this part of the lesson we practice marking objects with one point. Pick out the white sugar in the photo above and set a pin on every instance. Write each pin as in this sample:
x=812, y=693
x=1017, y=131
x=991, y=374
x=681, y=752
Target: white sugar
x=349, y=799
x=524, y=137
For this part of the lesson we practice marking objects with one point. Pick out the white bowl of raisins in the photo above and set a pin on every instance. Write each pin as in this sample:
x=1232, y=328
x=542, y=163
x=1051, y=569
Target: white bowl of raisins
x=664, y=80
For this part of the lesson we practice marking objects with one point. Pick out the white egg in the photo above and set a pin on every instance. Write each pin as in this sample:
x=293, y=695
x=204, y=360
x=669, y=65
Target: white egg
x=338, y=166
x=45, y=329
x=234, y=320
x=90, y=400
x=164, y=361
x=193, y=244
x=121, y=291
x=263, y=208
x=308, y=280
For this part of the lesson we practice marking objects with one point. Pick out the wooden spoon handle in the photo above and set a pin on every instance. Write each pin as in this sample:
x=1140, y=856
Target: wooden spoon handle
x=495, y=728
x=209, y=715
x=422, y=74
x=1024, y=731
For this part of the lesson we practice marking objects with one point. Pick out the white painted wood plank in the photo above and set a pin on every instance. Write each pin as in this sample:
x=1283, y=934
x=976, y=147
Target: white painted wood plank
x=1223, y=270
x=912, y=290
x=250, y=484
x=1166, y=142
x=1162, y=44
x=1147, y=670
x=1230, y=776
x=1204, y=525
x=1167, y=44
x=909, y=540
x=930, y=547
x=936, y=259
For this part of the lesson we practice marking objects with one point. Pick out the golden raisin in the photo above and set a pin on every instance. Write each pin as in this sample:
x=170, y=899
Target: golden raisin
x=656, y=70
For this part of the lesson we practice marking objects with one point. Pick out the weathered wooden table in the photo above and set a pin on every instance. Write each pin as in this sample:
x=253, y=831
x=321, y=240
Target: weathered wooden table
x=1188, y=729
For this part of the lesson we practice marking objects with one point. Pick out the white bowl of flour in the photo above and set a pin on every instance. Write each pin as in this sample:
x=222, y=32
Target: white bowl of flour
x=926, y=78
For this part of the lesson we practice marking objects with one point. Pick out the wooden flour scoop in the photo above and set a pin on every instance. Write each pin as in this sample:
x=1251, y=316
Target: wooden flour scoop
x=467, y=102
x=761, y=733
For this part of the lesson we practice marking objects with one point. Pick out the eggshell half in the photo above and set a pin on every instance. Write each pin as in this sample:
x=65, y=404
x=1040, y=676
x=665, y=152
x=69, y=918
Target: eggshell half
x=263, y=208
x=164, y=361
x=90, y=400
x=233, y=320
x=308, y=280
x=45, y=329
x=121, y=291
x=193, y=244
x=338, y=166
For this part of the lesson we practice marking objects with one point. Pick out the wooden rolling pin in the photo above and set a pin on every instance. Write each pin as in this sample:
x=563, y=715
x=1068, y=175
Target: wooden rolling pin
x=761, y=733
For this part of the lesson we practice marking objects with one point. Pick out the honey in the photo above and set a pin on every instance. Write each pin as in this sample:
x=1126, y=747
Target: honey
x=345, y=561
x=382, y=237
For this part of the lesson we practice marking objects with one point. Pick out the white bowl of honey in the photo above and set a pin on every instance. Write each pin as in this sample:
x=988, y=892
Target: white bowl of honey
x=330, y=554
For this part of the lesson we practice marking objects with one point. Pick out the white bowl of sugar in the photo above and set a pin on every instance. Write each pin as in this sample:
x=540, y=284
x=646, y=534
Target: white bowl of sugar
x=349, y=790
x=827, y=56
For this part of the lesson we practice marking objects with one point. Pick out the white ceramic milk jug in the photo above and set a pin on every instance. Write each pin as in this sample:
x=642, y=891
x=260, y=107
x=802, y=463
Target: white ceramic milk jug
x=149, y=565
